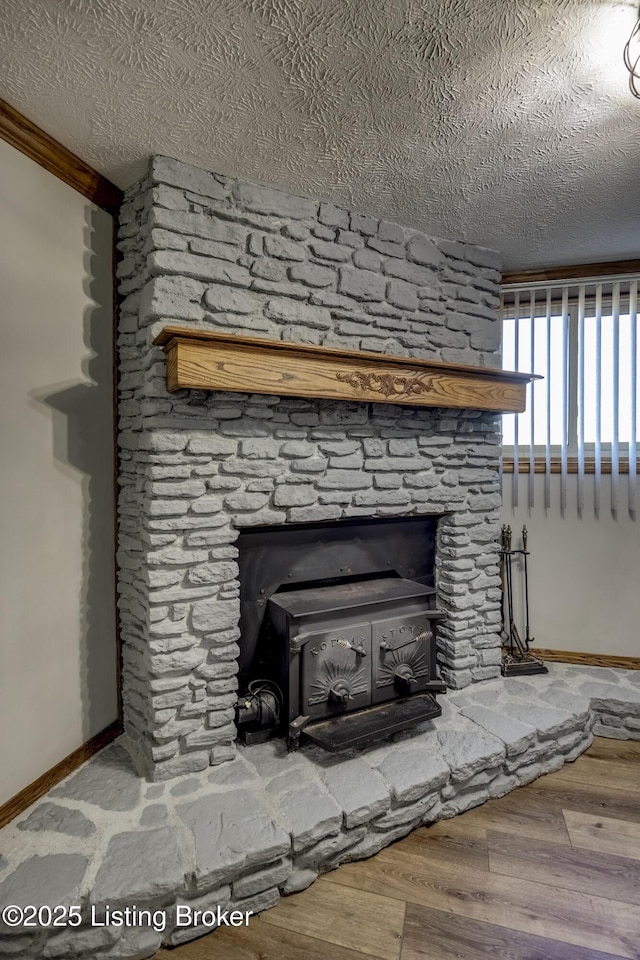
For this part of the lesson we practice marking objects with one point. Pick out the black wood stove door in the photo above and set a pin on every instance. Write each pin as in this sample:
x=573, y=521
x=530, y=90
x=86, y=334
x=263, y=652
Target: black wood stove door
x=402, y=656
x=336, y=671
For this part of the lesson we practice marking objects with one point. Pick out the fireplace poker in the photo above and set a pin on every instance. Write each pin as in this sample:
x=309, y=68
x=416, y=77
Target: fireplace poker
x=514, y=636
x=509, y=598
x=502, y=580
x=506, y=587
x=525, y=553
x=517, y=659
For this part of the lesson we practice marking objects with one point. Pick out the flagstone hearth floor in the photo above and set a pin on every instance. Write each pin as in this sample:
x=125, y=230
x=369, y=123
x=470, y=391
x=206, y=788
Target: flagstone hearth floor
x=269, y=822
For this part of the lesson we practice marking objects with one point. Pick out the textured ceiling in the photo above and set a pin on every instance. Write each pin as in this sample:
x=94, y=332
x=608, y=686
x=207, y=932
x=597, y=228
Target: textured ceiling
x=503, y=122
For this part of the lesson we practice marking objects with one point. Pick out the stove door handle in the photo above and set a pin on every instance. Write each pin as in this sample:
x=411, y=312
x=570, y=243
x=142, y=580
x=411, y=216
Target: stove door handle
x=425, y=635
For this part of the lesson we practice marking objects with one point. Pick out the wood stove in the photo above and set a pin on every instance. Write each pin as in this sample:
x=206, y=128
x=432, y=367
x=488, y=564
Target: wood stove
x=346, y=658
x=354, y=646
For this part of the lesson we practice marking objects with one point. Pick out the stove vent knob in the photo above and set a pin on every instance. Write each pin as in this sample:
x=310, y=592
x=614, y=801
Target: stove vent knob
x=340, y=691
x=403, y=676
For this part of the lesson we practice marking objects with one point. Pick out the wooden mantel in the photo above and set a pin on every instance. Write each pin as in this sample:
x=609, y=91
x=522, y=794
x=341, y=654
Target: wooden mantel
x=204, y=360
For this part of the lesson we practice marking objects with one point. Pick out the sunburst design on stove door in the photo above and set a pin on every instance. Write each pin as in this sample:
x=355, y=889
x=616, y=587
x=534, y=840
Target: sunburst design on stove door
x=405, y=663
x=339, y=684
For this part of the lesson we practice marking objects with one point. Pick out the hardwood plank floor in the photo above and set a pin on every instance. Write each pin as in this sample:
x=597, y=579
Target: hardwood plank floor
x=601, y=772
x=440, y=843
x=535, y=908
x=359, y=920
x=614, y=749
x=600, y=874
x=529, y=815
x=603, y=834
x=430, y=934
x=527, y=877
x=261, y=941
x=587, y=798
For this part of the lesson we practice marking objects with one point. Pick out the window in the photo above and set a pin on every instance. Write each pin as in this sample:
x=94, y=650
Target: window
x=583, y=339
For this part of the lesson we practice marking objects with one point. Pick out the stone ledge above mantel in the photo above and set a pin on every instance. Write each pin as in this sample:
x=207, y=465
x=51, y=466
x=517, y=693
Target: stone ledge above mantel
x=204, y=360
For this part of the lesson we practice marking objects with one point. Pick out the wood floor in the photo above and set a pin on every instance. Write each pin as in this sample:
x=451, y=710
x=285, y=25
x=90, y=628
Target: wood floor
x=550, y=872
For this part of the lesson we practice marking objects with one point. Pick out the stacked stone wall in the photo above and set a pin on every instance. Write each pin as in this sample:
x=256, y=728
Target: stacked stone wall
x=195, y=467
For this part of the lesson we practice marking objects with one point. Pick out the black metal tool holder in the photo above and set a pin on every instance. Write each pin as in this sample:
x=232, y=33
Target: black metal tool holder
x=517, y=660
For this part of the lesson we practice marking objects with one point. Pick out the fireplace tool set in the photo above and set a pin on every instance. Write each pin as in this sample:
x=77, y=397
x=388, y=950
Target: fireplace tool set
x=516, y=656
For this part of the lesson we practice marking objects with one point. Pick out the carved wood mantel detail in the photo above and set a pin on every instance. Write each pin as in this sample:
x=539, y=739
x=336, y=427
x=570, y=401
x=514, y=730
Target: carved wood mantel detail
x=204, y=360
x=385, y=383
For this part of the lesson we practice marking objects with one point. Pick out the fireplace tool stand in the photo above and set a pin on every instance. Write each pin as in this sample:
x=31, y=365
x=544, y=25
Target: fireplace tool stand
x=517, y=660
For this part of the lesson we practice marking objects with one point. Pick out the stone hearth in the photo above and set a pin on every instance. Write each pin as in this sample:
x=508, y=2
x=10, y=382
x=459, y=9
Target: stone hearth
x=205, y=251
x=269, y=822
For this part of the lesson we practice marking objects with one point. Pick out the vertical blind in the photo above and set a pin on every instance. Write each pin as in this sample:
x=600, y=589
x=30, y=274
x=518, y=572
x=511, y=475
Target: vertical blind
x=582, y=417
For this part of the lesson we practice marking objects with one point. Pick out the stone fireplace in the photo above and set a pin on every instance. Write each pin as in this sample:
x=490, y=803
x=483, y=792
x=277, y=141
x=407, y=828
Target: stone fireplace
x=212, y=484
x=199, y=467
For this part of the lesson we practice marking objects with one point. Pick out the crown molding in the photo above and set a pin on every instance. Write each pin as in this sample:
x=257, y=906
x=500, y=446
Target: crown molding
x=34, y=143
x=580, y=271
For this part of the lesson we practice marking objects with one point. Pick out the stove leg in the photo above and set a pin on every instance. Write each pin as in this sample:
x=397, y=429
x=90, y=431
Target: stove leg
x=295, y=729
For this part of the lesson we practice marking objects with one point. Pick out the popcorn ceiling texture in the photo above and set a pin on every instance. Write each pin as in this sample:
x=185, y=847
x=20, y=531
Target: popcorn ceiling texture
x=502, y=122
x=203, y=250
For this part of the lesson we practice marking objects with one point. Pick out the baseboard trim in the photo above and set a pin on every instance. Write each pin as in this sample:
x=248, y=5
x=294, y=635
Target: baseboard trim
x=35, y=790
x=588, y=659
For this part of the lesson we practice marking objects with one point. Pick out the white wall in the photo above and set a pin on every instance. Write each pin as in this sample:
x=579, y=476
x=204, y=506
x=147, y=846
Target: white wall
x=57, y=632
x=584, y=571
